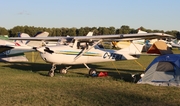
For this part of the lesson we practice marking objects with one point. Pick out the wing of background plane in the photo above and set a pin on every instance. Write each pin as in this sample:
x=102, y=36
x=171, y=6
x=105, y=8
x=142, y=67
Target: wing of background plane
x=96, y=37
x=20, y=46
x=14, y=51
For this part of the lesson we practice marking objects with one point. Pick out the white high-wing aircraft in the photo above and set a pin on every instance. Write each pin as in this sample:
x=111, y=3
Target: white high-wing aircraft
x=76, y=53
x=13, y=50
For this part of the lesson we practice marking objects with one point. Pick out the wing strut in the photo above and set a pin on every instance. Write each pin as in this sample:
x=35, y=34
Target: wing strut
x=86, y=50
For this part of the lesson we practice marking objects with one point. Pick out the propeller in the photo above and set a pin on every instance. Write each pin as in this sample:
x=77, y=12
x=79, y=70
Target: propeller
x=48, y=50
x=43, y=49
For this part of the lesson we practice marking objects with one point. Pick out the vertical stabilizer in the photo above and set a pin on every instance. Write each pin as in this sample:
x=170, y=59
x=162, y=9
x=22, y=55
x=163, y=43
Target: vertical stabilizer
x=37, y=43
x=131, y=52
x=133, y=49
x=140, y=31
x=22, y=35
x=90, y=34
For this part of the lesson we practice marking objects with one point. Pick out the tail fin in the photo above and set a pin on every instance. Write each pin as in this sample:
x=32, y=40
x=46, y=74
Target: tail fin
x=37, y=43
x=131, y=52
x=125, y=44
x=90, y=34
x=41, y=34
x=22, y=35
x=139, y=31
x=132, y=49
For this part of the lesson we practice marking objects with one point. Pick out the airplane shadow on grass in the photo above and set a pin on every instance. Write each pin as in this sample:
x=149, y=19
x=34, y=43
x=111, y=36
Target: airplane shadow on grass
x=119, y=74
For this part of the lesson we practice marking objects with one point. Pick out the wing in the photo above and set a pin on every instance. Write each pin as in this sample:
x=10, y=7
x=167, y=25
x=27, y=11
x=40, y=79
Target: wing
x=97, y=37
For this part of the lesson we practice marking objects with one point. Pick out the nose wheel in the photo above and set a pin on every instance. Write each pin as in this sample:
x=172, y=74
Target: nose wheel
x=51, y=72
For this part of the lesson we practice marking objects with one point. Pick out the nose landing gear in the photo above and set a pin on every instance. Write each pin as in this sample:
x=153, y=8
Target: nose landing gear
x=51, y=72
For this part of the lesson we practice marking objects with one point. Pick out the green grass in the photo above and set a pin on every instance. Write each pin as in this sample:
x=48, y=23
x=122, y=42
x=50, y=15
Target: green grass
x=28, y=84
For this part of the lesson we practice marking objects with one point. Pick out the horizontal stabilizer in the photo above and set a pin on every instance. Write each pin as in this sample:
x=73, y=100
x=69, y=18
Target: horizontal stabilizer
x=133, y=49
x=13, y=59
x=131, y=52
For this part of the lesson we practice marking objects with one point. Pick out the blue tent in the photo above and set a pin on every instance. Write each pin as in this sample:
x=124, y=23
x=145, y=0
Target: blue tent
x=164, y=70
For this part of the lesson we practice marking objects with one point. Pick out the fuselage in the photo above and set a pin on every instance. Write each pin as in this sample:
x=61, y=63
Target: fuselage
x=67, y=55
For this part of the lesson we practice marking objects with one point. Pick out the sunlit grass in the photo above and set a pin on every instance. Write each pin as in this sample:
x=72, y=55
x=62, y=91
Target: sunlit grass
x=28, y=84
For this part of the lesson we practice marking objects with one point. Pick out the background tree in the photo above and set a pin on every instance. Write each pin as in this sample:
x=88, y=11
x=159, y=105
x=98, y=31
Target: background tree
x=71, y=32
x=103, y=31
x=3, y=31
x=17, y=29
x=64, y=31
x=80, y=32
x=31, y=30
x=86, y=30
x=173, y=32
x=112, y=30
x=124, y=29
x=95, y=31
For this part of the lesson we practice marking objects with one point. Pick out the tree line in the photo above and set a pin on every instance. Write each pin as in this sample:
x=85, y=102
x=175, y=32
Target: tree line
x=124, y=29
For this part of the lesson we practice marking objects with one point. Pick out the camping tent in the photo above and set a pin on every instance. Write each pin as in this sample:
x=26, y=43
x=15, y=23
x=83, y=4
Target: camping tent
x=160, y=47
x=164, y=70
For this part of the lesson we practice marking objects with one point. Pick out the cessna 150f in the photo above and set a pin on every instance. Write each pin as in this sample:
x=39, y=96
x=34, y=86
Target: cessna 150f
x=76, y=53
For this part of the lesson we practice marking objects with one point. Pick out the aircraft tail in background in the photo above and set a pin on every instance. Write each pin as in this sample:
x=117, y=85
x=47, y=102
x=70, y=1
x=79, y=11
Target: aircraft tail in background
x=34, y=43
x=133, y=51
x=90, y=34
x=22, y=35
x=140, y=31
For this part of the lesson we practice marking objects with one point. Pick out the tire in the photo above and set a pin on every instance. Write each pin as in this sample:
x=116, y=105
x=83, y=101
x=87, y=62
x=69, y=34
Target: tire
x=63, y=71
x=51, y=74
x=92, y=72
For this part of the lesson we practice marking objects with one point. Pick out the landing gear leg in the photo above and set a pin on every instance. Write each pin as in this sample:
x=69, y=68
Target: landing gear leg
x=64, y=70
x=92, y=71
x=51, y=72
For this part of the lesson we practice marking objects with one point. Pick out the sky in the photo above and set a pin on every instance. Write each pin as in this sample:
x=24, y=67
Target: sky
x=150, y=14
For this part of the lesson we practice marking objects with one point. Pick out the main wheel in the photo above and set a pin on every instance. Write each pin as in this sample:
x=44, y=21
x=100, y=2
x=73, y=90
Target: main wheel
x=63, y=71
x=92, y=72
x=51, y=74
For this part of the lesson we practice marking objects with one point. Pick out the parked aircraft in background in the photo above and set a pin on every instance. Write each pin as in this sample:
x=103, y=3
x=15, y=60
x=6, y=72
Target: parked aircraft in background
x=75, y=53
x=14, y=50
x=146, y=42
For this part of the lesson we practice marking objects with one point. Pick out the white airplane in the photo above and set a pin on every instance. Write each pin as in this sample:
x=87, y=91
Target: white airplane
x=14, y=50
x=75, y=53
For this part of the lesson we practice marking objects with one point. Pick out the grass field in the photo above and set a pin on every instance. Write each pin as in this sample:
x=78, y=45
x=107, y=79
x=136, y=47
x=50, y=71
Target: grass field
x=27, y=84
